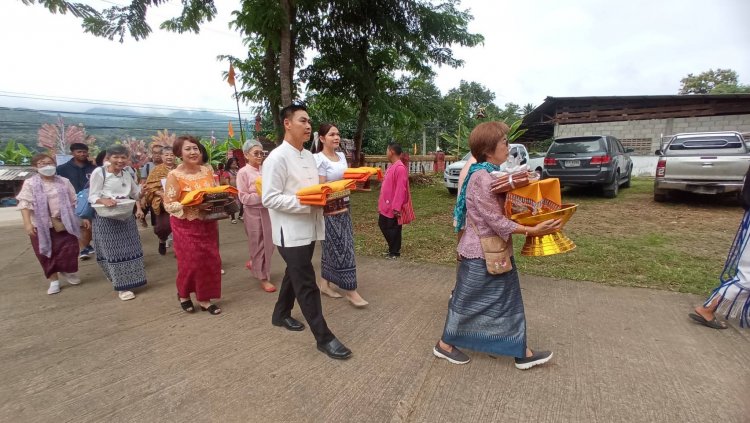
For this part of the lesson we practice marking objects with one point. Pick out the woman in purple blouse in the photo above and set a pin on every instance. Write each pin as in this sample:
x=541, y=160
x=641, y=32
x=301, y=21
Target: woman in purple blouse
x=485, y=312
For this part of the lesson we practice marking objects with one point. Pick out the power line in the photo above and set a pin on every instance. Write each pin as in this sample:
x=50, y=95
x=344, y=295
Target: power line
x=175, y=119
x=30, y=96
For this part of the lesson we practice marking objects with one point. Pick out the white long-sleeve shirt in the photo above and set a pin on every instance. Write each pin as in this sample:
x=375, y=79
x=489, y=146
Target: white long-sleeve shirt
x=286, y=170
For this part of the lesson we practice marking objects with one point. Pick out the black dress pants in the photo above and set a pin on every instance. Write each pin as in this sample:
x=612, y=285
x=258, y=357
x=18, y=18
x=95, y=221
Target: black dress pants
x=392, y=233
x=299, y=283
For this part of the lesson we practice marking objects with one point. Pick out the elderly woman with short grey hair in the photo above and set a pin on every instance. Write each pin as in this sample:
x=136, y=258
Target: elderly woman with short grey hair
x=116, y=241
x=257, y=220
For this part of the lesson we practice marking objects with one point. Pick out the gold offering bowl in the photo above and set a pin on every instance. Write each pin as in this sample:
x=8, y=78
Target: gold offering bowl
x=546, y=245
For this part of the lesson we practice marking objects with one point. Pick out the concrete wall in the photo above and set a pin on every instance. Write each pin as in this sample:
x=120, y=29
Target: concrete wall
x=654, y=128
x=644, y=165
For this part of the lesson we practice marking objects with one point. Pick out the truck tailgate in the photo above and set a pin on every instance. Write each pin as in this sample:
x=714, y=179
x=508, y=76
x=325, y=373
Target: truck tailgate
x=707, y=167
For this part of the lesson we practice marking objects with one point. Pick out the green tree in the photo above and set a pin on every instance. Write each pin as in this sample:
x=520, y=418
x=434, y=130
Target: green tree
x=719, y=81
x=362, y=45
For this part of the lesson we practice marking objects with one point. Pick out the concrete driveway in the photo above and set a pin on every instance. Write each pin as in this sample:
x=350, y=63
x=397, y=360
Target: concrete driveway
x=621, y=354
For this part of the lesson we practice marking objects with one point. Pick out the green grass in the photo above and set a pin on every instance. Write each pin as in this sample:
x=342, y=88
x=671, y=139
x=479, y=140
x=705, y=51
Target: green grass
x=627, y=241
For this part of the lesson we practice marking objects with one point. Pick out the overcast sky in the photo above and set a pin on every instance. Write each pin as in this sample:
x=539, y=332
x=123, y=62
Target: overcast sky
x=532, y=49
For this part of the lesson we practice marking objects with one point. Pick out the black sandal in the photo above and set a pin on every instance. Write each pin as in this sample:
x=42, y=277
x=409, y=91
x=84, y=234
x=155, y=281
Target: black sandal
x=186, y=305
x=212, y=309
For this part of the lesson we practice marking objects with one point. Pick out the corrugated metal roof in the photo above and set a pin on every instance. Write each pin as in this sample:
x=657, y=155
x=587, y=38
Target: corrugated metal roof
x=16, y=173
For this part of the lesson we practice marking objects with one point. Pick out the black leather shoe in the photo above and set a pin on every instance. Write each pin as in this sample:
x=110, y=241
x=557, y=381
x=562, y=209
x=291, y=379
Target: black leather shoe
x=290, y=324
x=335, y=349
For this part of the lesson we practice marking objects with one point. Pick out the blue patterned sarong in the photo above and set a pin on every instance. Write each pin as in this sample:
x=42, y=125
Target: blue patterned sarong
x=337, y=264
x=486, y=311
x=734, y=290
x=119, y=252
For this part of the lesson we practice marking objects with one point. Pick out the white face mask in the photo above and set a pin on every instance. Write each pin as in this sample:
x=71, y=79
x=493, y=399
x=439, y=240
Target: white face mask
x=48, y=170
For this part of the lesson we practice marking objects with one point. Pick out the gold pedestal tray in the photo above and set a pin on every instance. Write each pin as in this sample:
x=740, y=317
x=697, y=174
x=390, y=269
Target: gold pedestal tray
x=546, y=245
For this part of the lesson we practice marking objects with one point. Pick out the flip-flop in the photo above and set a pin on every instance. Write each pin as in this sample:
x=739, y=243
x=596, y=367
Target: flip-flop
x=713, y=324
x=126, y=295
x=268, y=288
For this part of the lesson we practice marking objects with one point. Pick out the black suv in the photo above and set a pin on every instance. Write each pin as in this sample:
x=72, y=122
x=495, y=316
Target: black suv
x=598, y=160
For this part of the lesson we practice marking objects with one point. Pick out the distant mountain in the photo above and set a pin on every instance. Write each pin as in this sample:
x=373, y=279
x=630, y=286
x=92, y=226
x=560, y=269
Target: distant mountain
x=109, y=124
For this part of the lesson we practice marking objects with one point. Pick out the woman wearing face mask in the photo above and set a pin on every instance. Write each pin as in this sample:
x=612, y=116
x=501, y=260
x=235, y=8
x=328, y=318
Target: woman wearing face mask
x=196, y=239
x=153, y=193
x=337, y=262
x=257, y=221
x=117, y=244
x=47, y=204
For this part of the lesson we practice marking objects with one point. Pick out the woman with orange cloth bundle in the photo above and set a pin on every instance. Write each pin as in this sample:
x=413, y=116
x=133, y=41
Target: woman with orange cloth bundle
x=196, y=244
x=338, y=264
x=257, y=220
x=486, y=312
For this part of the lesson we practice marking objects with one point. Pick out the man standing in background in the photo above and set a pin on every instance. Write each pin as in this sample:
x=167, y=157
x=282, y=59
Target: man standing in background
x=78, y=171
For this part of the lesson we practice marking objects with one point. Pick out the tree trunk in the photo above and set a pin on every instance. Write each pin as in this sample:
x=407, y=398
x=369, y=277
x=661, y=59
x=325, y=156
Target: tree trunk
x=364, y=109
x=271, y=75
x=286, y=64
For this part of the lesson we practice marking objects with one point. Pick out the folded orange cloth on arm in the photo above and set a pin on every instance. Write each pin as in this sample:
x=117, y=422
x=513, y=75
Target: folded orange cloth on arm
x=195, y=197
x=315, y=195
x=361, y=174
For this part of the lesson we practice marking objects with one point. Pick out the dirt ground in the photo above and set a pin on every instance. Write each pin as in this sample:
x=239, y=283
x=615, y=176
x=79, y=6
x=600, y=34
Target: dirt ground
x=706, y=224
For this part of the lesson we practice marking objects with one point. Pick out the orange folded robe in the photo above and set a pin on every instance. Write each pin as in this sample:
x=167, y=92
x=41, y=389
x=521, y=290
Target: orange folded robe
x=537, y=197
x=195, y=197
x=316, y=195
x=361, y=174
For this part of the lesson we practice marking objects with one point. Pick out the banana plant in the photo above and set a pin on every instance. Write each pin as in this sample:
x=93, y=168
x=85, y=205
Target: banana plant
x=458, y=142
x=15, y=154
x=514, y=133
x=217, y=151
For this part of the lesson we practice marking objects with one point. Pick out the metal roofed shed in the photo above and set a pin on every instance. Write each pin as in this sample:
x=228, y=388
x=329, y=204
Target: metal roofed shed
x=11, y=180
x=638, y=121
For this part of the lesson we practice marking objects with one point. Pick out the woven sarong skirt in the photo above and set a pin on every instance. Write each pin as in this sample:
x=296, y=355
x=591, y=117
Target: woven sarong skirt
x=196, y=245
x=485, y=312
x=338, y=265
x=64, y=257
x=119, y=252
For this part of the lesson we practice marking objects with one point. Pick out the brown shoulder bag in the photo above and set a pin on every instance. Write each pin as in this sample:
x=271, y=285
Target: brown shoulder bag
x=497, y=253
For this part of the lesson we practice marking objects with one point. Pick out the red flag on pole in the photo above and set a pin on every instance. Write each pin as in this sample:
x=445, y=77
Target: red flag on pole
x=230, y=75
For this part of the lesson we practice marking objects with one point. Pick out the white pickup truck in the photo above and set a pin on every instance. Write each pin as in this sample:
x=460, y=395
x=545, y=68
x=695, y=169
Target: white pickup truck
x=450, y=177
x=702, y=163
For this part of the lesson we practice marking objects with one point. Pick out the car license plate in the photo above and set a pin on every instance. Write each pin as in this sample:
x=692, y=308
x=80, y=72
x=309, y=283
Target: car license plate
x=572, y=163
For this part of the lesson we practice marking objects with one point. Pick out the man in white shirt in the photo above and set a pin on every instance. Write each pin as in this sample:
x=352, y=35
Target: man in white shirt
x=296, y=227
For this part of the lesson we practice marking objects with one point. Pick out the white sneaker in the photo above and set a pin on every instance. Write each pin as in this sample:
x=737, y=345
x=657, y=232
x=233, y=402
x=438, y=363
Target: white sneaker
x=54, y=288
x=72, y=278
x=169, y=241
x=126, y=295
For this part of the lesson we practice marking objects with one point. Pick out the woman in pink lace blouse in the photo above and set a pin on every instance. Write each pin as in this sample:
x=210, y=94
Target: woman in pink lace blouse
x=257, y=221
x=47, y=204
x=486, y=311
